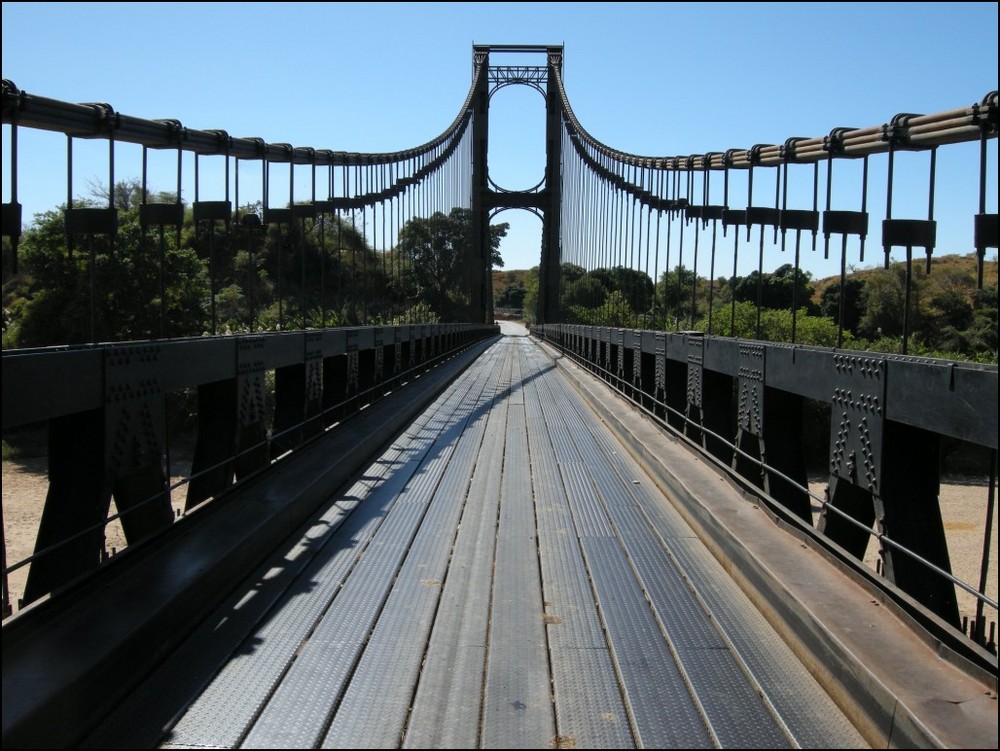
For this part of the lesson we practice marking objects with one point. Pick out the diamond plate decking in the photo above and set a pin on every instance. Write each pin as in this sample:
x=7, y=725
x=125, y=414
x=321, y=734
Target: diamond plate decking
x=503, y=575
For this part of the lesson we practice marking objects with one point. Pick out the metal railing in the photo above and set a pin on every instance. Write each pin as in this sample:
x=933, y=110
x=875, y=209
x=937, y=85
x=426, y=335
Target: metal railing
x=106, y=413
x=753, y=407
x=628, y=215
x=232, y=331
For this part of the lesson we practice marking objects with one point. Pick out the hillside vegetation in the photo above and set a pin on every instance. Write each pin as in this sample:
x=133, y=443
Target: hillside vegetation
x=950, y=317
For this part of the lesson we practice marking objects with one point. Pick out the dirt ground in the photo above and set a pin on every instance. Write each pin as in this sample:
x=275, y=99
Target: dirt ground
x=963, y=503
x=25, y=483
x=963, y=508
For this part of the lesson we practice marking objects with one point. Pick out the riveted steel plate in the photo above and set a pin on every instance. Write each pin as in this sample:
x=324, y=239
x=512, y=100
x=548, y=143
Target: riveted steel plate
x=750, y=406
x=661, y=366
x=250, y=379
x=636, y=358
x=695, y=371
x=314, y=365
x=856, y=419
x=618, y=338
x=133, y=411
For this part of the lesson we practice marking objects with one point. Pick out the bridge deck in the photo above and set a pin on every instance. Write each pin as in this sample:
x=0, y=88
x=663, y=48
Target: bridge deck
x=503, y=575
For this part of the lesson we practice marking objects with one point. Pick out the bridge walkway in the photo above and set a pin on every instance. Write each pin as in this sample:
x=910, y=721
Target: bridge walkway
x=502, y=575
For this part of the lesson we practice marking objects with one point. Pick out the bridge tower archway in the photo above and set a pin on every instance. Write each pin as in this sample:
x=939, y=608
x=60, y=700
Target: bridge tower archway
x=488, y=199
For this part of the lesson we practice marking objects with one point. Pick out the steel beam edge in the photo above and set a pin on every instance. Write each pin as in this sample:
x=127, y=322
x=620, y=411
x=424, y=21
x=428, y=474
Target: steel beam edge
x=68, y=659
x=787, y=576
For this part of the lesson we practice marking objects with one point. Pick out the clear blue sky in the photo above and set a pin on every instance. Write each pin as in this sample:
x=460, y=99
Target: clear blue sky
x=654, y=79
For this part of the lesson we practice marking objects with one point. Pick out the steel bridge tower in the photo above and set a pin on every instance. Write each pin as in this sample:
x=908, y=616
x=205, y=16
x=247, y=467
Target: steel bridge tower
x=488, y=199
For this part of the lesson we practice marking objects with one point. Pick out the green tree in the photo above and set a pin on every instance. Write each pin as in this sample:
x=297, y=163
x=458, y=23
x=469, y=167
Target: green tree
x=635, y=286
x=436, y=249
x=531, y=296
x=951, y=308
x=673, y=292
x=512, y=296
x=586, y=291
x=830, y=303
x=108, y=288
x=776, y=326
x=570, y=272
x=777, y=289
x=884, y=300
x=979, y=338
x=615, y=311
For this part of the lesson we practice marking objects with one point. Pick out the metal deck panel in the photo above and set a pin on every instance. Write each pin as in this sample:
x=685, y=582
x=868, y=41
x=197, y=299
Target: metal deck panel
x=569, y=599
x=590, y=712
x=732, y=701
x=376, y=705
x=568, y=592
x=431, y=641
x=517, y=699
x=301, y=708
x=589, y=708
x=805, y=708
x=446, y=708
x=591, y=518
x=447, y=703
x=188, y=670
x=696, y=645
x=732, y=704
x=687, y=624
x=224, y=711
x=229, y=705
x=667, y=717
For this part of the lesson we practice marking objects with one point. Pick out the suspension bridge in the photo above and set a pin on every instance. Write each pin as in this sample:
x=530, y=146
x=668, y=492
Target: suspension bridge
x=400, y=523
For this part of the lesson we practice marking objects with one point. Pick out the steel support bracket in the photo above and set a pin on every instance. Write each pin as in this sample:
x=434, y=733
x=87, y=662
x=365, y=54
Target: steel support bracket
x=314, y=366
x=133, y=409
x=352, y=361
x=695, y=369
x=661, y=368
x=618, y=337
x=637, y=359
x=857, y=421
x=750, y=406
x=250, y=381
x=379, y=355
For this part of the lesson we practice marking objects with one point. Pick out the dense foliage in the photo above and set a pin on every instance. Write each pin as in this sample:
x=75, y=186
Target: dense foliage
x=438, y=248
x=228, y=277
x=949, y=316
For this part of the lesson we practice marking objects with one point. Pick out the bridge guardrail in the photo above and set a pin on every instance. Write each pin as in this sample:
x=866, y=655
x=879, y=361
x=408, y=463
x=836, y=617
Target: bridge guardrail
x=755, y=407
x=115, y=417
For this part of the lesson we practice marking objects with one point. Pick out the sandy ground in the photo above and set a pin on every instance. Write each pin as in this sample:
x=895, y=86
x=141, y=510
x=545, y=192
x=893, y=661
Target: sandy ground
x=963, y=506
x=25, y=483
